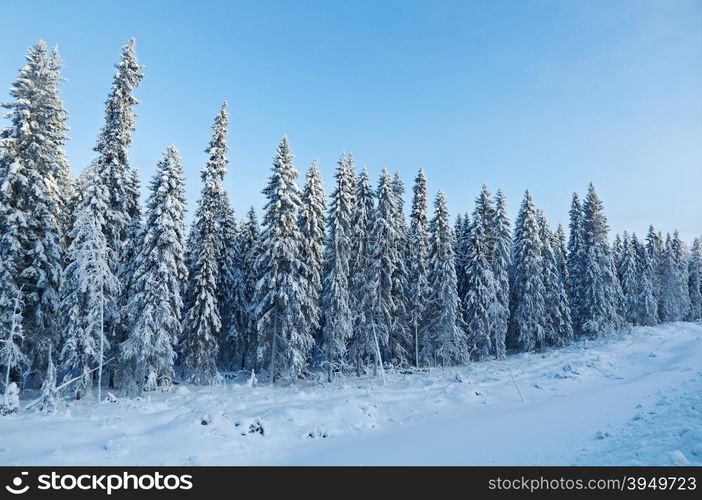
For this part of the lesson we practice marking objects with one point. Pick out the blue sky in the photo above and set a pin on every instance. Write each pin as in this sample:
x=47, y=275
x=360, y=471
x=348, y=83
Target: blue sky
x=546, y=95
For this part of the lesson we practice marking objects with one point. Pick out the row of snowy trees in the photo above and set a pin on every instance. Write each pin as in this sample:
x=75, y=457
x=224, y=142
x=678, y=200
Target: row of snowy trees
x=93, y=285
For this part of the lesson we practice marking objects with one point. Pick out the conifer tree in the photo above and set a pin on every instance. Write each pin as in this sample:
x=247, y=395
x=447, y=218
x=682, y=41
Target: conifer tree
x=338, y=320
x=647, y=304
x=629, y=276
x=502, y=244
x=121, y=218
x=675, y=295
x=576, y=264
x=480, y=301
x=362, y=345
x=418, y=250
x=311, y=222
x=383, y=240
x=450, y=346
x=602, y=293
x=401, y=343
x=283, y=338
x=528, y=303
x=203, y=321
x=154, y=308
x=33, y=176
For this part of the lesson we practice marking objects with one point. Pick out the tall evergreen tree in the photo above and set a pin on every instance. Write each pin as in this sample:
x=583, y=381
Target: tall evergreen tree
x=338, y=320
x=311, y=221
x=629, y=276
x=383, y=240
x=480, y=301
x=449, y=346
x=401, y=343
x=647, y=303
x=203, y=299
x=528, y=302
x=87, y=286
x=418, y=251
x=33, y=178
x=576, y=264
x=154, y=308
x=501, y=249
x=283, y=339
x=362, y=345
x=120, y=220
x=601, y=294
x=675, y=295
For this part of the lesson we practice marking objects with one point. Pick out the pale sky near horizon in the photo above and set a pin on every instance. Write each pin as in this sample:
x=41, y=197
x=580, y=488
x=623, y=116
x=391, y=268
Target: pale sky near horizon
x=539, y=94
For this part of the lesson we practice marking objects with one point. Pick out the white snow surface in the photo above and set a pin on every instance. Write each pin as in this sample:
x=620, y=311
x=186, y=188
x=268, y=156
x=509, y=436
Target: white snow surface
x=635, y=398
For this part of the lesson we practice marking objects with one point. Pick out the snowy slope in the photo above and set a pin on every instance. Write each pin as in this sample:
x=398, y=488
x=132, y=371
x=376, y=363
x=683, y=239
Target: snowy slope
x=634, y=399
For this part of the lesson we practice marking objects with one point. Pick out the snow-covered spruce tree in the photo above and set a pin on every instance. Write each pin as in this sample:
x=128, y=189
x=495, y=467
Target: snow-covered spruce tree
x=383, y=240
x=480, y=302
x=202, y=322
x=226, y=239
x=558, y=327
x=249, y=249
x=655, y=248
x=311, y=221
x=418, y=251
x=601, y=293
x=121, y=216
x=501, y=249
x=12, y=357
x=647, y=304
x=155, y=305
x=629, y=277
x=282, y=334
x=528, y=301
x=338, y=319
x=675, y=295
x=87, y=286
x=576, y=264
x=443, y=313
x=362, y=345
x=33, y=176
x=695, y=281
x=401, y=345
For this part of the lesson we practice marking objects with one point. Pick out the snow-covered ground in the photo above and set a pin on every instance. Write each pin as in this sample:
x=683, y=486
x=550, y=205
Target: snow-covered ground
x=633, y=399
